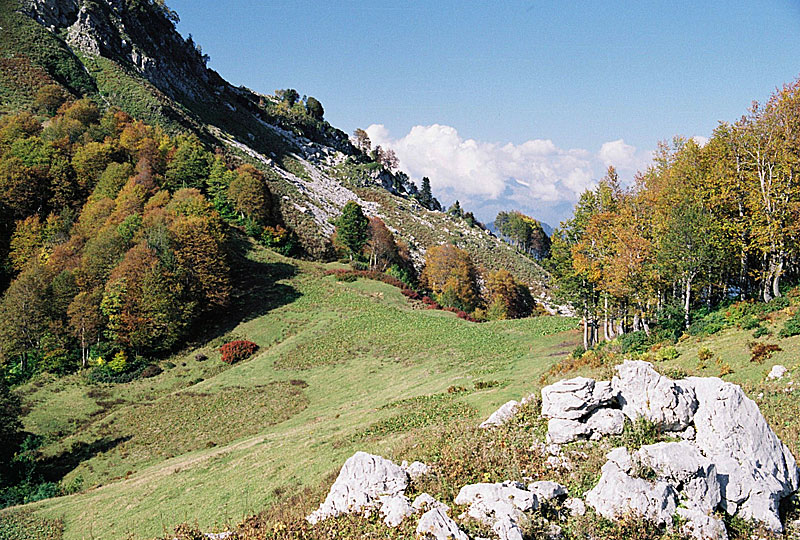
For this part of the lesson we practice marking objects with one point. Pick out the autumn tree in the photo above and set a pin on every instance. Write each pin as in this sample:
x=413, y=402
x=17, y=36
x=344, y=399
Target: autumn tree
x=362, y=141
x=381, y=247
x=49, y=98
x=451, y=275
x=507, y=296
x=249, y=195
x=23, y=316
x=85, y=321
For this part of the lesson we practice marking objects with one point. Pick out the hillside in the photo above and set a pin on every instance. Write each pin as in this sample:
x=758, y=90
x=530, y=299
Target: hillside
x=212, y=443
x=129, y=55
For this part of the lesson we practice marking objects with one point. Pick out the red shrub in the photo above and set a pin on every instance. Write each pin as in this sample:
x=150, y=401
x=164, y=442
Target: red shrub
x=234, y=351
x=411, y=293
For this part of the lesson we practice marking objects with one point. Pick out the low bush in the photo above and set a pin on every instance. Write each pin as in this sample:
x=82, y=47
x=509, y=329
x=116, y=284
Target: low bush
x=634, y=342
x=791, y=327
x=236, y=351
x=760, y=352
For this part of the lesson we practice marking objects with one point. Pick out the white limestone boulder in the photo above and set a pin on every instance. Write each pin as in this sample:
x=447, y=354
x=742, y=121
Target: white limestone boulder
x=604, y=422
x=618, y=494
x=394, y=509
x=502, y=415
x=424, y=502
x=755, y=469
x=500, y=505
x=573, y=399
x=416, y=470
x=546, y=490
x=683, y=466
x=701, y=526
x=777, y=372
x=435, y=524
x=642, y=391
x=575, y=506
x=362, y=482
x=561, y=431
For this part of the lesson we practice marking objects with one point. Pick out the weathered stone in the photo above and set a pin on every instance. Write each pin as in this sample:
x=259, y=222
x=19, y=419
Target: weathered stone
x=701, y=526
x=618, y=494
x=394, y=509
x=506, y=528
x=575, y=506
x=436, y=524
x=364, y=478
x=561, y=431
x=644, y=392
x=604, y=422
x=501, y=415
x=572, y=399
x=546, y=490
x=499, y=505
x=683, y=466
x=755, y=469
x=416, y=469
x=426, y=502
x=777, y=372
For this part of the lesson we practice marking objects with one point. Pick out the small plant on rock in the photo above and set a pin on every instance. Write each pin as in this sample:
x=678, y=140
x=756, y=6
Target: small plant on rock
x=640, y=432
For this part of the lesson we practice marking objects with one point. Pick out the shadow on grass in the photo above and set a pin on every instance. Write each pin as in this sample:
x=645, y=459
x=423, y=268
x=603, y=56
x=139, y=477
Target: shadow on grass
x=256, y=292
x=56, y=467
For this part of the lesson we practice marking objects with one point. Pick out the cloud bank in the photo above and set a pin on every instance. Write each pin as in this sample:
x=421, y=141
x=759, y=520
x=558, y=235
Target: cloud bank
x=535, y=177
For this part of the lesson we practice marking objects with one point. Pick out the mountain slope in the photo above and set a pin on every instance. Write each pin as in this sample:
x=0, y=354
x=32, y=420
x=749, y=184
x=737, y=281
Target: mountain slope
x=288, y=416
x=127, y=54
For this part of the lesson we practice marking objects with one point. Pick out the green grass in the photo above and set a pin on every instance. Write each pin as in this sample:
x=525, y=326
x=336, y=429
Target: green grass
x=377, y=369
x=23, y=525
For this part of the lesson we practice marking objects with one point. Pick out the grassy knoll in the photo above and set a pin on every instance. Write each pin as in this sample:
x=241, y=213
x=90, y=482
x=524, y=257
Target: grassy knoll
x=342, y=366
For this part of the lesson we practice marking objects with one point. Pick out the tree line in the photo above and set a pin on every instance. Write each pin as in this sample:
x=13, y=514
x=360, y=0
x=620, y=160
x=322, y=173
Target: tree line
x=703, y=225
x=449, y=275
x=114, y=236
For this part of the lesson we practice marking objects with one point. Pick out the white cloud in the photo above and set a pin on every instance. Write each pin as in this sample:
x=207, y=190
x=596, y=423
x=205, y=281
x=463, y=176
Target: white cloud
x=618, y=154
x=535, y=177
x=700, y=140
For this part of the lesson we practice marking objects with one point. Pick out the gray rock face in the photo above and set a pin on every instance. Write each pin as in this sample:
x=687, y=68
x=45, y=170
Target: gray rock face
x=546, y=490
x=436, y=524
x=756, y=470
x=603, y=422
x=365, y=482
x=777, y=372
x=644, y=392
x=500, y=505
x=51, y=13
x=561, y=431
x=683, y=466
x=617, y=494
x=573, y=399
x=702, y=526
x=501, y=415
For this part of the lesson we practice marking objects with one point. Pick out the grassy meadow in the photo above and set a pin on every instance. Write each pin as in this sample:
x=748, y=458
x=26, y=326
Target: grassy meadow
x=341, y=367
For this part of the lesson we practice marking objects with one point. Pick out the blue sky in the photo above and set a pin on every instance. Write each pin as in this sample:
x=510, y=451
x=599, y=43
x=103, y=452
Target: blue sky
x=509, y=104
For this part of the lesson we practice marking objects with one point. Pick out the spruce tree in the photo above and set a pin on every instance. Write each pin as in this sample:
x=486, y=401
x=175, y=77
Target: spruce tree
x=352, y=228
